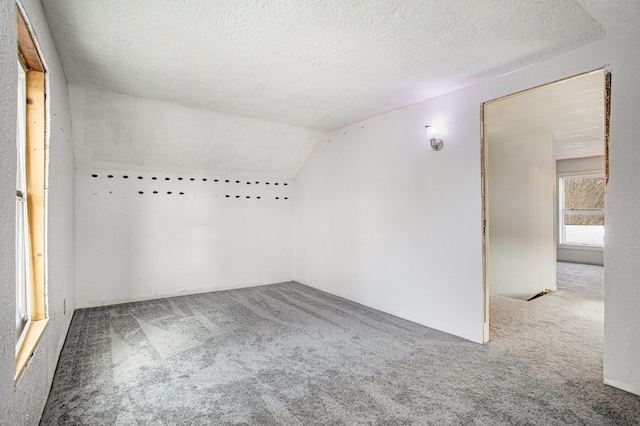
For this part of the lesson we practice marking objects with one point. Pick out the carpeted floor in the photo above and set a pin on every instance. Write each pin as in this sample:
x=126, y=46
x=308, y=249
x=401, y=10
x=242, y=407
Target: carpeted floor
x=288, y=354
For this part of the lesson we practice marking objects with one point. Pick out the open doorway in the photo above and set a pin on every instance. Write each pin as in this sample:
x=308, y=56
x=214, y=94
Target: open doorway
x=536, y=143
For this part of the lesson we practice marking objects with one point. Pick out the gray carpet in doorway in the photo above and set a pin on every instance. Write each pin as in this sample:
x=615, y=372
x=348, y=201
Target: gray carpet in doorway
x=288, y=354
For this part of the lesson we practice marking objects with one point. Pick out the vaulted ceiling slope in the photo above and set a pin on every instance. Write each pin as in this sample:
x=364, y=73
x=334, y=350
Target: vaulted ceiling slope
x=250, y=86
x=320, y=64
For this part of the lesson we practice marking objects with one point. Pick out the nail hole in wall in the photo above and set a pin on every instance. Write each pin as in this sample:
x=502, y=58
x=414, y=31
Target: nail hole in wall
x=110, y=176
x=257, y=182
x=258, y=198
x=94, y=175
x=248, y=183
x=192, y=179
x=179, y=178
x=139, y=177
x=155, y=192
x=226, y=180
x=237, y=196
x=167, y=178
x=248, y=196
x=125, y=177
x=277, y=198
x=140, y=192
x=237, y=181
x=227, y=196
x=215, y=180
x=204, y=179
x=169, y=192
x=267, y=183
x=154, y=178
x=286, y=198
x=182, y=193
x=276, y=183
x=286, y=184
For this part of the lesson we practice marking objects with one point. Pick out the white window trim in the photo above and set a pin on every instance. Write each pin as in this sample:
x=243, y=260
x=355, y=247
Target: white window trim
x=23, y=262
x=559, y=177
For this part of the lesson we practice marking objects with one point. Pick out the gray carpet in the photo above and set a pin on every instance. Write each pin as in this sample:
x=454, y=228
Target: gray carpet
x=288, y=354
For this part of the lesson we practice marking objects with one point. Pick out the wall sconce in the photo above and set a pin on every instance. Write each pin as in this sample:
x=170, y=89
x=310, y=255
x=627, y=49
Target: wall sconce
x=436, y=143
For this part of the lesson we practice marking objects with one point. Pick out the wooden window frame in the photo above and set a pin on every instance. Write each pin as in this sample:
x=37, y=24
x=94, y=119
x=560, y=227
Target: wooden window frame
x=36, y=165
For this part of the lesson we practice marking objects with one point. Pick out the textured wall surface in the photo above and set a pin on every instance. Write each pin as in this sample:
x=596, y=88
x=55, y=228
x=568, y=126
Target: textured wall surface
x=8, y=84
x=398, y=189
x=114, y=130
x=151, y=235
x=24, y=403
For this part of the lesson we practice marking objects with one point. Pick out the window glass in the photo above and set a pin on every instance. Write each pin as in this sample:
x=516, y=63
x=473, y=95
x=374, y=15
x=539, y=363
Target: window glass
x=582, y=214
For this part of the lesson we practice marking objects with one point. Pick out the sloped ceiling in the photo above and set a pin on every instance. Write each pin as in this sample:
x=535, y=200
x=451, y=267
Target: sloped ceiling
x=317, y=64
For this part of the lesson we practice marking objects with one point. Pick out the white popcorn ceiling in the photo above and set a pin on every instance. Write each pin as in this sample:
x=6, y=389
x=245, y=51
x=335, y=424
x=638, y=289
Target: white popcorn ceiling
x=571, y=110
x=316, y=64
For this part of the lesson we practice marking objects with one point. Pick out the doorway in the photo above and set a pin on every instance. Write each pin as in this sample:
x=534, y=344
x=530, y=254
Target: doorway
x=527, y=137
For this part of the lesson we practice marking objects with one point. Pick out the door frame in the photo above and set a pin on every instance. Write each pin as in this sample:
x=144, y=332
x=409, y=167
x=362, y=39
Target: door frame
x=484, y=156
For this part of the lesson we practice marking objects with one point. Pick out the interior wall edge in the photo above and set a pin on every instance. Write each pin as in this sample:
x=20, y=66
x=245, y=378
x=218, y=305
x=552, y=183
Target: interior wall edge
x=627, y=387
x=463, y=334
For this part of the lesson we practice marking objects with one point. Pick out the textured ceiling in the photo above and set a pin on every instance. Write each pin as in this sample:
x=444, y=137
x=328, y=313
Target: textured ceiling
x=248, y=86
x=319, y=64
x=619, y=18
x=571, y=110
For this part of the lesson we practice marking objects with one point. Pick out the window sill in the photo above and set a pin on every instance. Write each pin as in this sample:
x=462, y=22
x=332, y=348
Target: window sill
x=31, y=339
x=579, y=247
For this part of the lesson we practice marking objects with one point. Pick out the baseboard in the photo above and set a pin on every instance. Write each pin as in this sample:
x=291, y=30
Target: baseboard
x=622, y=386
x=109, y=302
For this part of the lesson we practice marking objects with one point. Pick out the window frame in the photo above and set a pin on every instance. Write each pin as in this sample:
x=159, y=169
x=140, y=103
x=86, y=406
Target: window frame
x=36, y=156
x=561, y=209
x=23, y=276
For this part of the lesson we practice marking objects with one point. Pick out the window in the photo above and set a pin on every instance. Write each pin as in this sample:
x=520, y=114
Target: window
x=582, y=209
x=23, y=281
x=31, y=306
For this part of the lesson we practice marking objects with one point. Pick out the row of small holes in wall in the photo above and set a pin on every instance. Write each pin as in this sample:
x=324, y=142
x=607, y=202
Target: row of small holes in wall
x=193, y=179
x=226, y=196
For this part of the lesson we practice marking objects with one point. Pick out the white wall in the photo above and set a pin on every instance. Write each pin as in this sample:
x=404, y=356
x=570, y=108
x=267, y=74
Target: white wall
x=585, y=164
x=23, y=405
x=588, y=255
x=383, y=220
x=521, y=253
x=132, y=246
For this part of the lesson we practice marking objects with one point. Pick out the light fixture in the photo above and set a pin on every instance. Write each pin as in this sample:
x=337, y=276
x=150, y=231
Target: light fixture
x=436, y=143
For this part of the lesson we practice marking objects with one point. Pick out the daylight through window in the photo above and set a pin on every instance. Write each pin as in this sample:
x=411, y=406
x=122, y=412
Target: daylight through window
x=582, y=210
